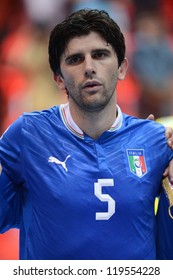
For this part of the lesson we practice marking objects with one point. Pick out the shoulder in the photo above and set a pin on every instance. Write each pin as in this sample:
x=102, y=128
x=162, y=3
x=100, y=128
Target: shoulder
x=41, y=115
x=145, y=131
x=132, y=121
x=36, y=118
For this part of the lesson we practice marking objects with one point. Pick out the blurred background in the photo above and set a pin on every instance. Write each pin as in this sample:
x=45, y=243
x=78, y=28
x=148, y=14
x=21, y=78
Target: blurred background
x=26, y=82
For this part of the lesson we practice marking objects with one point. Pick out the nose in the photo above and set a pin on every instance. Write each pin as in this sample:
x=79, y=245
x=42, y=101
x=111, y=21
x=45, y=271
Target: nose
x=90, y=69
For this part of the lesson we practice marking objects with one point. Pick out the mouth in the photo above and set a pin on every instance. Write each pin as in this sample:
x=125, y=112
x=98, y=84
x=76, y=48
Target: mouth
x=91, y=86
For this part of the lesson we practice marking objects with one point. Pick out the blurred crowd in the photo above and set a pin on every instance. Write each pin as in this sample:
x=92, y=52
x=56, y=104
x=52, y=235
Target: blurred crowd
x=26, y=82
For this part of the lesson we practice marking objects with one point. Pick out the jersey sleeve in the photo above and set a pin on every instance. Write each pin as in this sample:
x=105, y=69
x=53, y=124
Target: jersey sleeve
x=164, y=228
x=11, y=177
x=11, y=152
x=10, y=205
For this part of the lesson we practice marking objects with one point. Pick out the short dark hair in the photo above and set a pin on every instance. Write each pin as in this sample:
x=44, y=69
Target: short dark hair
x=82, y=22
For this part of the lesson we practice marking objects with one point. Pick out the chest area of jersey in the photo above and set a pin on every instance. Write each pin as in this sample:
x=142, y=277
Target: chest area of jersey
x=92, y=177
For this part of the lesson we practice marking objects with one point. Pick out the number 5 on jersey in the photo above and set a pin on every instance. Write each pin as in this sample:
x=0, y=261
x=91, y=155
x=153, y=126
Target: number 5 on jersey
x=105, y=198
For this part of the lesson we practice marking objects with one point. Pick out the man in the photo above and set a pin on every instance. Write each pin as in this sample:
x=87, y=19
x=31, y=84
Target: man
x=80, y=180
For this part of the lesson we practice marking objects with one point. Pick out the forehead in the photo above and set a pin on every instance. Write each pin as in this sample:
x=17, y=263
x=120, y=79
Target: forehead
x=85, y=43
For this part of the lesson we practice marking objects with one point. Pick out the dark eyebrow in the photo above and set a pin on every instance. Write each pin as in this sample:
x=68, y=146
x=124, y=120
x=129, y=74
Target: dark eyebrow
x=101, y=50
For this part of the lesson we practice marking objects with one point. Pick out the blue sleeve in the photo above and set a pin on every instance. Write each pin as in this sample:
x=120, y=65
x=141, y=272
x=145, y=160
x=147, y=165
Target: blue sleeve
x=11, y=144
x=10, y=205
x=11, y=176
x=164, y=230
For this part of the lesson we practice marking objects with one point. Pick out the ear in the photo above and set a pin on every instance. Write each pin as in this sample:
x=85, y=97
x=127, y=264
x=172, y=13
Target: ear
x=59, y=81
x=123, y=69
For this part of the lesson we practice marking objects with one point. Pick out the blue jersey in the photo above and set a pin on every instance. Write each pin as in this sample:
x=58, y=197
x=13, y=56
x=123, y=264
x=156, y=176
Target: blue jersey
x=77, y=198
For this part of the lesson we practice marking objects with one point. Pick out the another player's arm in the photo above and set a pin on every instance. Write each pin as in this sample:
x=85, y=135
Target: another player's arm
x=169, y=136
x=168, y=177
x=165, y=225
x=168, y=189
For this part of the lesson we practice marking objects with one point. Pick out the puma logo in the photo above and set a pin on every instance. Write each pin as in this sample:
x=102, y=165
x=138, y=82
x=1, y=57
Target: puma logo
x=57, y=161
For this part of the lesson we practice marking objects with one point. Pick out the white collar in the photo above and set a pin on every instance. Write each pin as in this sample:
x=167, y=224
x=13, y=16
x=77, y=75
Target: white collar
x=72, y=126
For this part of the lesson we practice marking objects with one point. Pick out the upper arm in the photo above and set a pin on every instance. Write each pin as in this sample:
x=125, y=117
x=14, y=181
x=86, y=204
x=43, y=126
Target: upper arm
x=10, y=176
x=11, y=144
x=10, y=203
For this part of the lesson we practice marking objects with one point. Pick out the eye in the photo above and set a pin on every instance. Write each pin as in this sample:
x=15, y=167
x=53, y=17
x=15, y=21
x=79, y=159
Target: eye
x=73, y=60
x=100, y=54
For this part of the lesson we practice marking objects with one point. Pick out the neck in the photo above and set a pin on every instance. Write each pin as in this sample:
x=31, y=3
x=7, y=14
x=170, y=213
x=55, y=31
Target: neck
x=94, y=123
